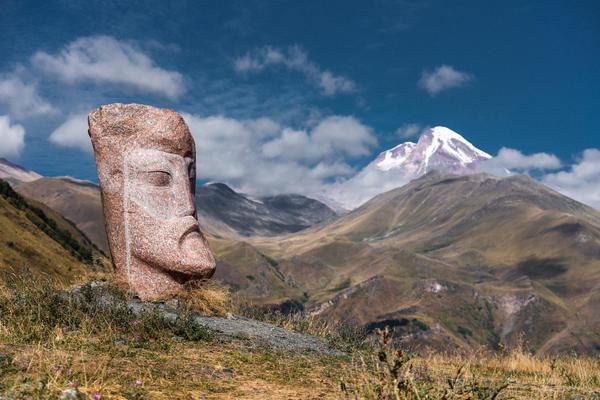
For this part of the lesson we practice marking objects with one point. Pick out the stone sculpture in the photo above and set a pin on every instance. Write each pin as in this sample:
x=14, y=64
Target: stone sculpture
x=146, y=162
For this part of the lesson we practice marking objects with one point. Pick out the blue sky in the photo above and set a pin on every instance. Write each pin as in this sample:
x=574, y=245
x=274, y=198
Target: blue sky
x=522, y=75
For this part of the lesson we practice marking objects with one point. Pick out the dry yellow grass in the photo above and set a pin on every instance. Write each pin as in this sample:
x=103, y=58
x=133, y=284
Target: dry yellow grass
x=389, y=373
x=236, y=369
x=46, y=349
x=181, y=371
x=207, y=298
x=528, y=377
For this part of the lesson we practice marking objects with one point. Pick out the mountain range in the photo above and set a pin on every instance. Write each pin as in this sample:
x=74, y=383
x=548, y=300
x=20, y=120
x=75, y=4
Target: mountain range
x=225, y=212
x=453, y=259
x=222, y=211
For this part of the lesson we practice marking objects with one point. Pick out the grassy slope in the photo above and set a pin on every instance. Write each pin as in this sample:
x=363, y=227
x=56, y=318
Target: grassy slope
x=24, y=245
x=237, y=370
x=250, y=273
x=77, y=201
x=509, y=256
x=49, y=344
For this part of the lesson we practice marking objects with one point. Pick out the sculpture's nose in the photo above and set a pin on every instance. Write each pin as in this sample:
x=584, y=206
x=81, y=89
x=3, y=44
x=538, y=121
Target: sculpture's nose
x=189, y=206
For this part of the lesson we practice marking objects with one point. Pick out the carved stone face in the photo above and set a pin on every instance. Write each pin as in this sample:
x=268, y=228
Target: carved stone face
x=146, y=165
x=159, y=193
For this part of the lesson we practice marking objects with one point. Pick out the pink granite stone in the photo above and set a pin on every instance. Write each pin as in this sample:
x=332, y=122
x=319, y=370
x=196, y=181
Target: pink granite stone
x=146, y=162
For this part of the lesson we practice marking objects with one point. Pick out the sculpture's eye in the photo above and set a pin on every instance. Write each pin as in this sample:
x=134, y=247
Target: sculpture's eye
x=159, y=178
x=192, y=173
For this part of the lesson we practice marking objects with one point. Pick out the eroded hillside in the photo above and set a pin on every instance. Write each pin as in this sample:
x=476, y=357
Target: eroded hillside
x=457, y=261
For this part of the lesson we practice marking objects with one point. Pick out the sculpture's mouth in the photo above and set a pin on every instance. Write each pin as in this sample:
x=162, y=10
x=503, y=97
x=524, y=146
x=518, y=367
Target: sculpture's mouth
x=191, y=229
x=191, y=241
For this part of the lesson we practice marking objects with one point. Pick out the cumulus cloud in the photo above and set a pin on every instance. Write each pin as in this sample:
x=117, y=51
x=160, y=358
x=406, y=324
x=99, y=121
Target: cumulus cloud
x=509, y=161
x=408, y=131
x=514, y=159
x=106, y=59
x=333, y=135
x=73, y=133
x=12, y=137
x=22, y=99
x=581, y=181
x=443, y=78
x=296, y=59
x=345, y=135
x=261, y=156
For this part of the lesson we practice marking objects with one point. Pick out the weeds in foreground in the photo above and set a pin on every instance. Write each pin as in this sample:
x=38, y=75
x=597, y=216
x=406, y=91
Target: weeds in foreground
x=34, y=310
x=343, y=336
x=390, y=373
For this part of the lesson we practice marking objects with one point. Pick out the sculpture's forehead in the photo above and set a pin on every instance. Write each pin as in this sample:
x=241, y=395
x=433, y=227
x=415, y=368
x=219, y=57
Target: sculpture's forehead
x=117, y=127
x=149, y=156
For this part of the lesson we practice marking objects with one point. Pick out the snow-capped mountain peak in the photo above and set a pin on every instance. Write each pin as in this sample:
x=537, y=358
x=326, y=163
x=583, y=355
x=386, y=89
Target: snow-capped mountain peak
x=438, y=148
x=394, y=157
x=444, y=140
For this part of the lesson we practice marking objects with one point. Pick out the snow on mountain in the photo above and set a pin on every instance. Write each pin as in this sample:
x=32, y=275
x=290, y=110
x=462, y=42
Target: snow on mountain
x=394, y=157
x=10, y=171
x=438, y=148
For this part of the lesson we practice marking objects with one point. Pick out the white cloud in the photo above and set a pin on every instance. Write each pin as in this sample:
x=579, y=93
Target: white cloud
x=262, y=157
x=106, y=59
x=408, y=131
x=12, y=137
x=22, y=98
x=294, y=58
x=367, y=183
x=331, y=84
x=514, y=159
x=510, y=161
x=73, y=133
x=581, y=181
x=443, y=78
x=344, y=136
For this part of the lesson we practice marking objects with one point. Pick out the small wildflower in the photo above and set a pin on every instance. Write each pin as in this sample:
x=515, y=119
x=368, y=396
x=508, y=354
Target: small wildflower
x=97, y=396
x=138, y=382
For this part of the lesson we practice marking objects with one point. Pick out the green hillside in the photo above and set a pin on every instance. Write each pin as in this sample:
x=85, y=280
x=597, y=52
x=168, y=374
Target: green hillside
x=31, y=240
